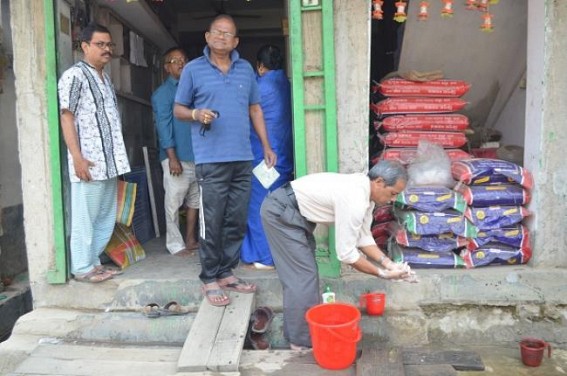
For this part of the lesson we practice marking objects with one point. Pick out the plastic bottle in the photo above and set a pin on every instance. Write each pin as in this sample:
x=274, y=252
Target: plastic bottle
x=328, y=296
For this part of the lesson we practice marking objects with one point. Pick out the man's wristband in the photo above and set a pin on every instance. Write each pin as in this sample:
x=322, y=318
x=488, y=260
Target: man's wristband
x=381, y=259
x=193, y=114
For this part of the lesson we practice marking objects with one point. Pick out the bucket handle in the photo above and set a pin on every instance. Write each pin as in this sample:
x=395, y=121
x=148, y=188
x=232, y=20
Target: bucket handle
x=548, y=349
x=343, y=339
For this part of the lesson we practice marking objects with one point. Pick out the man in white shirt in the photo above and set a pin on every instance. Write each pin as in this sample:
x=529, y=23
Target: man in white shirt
x=96, y=153
x=290, y=214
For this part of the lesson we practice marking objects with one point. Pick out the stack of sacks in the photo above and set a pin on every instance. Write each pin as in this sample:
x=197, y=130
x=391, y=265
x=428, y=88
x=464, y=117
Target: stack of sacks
x=432, y=227
x=495, y=191
x=416, y=111
x=381, y=224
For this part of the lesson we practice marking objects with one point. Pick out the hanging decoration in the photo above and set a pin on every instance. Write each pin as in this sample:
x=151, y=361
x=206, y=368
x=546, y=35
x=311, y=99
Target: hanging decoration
x=377, y=12
x=487, y=22
x=400, y=15
x=482, y=5
x=423, y=11
x=447, y=10
x=471, y=4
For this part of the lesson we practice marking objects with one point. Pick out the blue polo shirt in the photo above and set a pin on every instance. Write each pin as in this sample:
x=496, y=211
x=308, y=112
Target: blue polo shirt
x=203, y=85
x=172, y=132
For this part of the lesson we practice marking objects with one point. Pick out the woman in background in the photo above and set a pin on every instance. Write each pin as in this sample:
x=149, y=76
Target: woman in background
x=275, y=101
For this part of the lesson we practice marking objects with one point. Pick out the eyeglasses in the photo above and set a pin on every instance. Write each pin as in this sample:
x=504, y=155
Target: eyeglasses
x=218, y=33
x=104, y=45
x=176, y=61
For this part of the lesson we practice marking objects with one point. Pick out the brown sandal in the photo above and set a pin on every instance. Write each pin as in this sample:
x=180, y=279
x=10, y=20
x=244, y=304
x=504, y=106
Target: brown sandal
x=239, y=285
x=213, y=293
x=94, y=276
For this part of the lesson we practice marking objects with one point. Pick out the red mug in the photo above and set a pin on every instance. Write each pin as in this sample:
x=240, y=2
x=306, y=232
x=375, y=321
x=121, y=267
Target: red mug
x=374, y=303
x=532, y=350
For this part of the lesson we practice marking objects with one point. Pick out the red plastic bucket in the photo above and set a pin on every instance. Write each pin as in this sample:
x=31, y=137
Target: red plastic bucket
x=374, y=303
x=334, y=333
x=532, y=350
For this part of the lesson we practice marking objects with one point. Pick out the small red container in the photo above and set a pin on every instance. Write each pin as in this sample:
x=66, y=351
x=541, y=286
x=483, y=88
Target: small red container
x=374, y=303
x=532, y=350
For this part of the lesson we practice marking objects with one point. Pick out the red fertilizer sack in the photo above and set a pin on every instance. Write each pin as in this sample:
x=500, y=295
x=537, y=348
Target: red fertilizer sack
x=469, y=170
x=420, y=259
x=383, y=213
x=412, y=138
x=516, y=236
x=382, y=241
x=398, y=87
x=422, y=223
x=492, y=195
x=381, y=229
x=445, y=122
x=431, y=243
x=493, y=217
x=431, y=199
x=495, y=254
x=407, y=155
x=392, y=106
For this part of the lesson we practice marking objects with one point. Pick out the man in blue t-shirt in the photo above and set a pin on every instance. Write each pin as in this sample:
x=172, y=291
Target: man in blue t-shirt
x=177, y=160
x=218, y=94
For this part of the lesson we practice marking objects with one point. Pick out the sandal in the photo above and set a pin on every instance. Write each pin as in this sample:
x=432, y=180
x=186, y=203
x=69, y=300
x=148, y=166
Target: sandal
x=213, y=296
x=173, y=309
x=261, y=319
x=109, y=269
x=151, y=310
x=238, y=285
x=94, y=276
x=258, y=341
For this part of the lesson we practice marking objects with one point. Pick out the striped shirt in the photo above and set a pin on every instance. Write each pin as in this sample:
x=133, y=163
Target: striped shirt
x=203, y=85
x=92, y=101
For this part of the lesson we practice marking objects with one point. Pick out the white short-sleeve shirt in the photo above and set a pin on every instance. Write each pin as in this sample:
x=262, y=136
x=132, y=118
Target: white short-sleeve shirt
x=92, y=101
x=342, y=200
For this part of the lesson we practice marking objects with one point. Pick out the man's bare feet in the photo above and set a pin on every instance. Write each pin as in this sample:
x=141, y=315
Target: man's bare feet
x=192, y=246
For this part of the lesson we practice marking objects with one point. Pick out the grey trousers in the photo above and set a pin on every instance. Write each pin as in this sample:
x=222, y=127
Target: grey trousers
x=292, y=243
x=225, y=192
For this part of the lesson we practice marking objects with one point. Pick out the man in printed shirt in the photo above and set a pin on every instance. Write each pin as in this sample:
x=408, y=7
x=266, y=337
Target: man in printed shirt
x=177, y=160
x=290, y=214
x=92, y=130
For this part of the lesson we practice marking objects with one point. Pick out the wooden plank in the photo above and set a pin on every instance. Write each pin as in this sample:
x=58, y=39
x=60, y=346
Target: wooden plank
x=378, y=360
x=460, y=360
x=36, y=365
x=110, y=353
x=201, y=338
x=151, y=191
x=430, y=370
x=226, y=351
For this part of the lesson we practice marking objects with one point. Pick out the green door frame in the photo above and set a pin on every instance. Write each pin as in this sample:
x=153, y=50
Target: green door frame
x=58, y=274
x=328, y=263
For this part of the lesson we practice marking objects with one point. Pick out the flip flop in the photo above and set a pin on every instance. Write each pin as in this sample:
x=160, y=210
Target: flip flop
x=209, y=294
x=258, y=341
x=238, y=285
x=261, y=319
x=94, y=276
x=173, y=309
x=109, y=269
x=151, y=310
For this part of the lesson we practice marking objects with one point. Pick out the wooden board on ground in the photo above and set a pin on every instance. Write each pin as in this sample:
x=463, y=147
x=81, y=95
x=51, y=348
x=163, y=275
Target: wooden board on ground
x=77, y=359
x=217, y=336
x=378, y=360
x=460, y=360
x=430, y=370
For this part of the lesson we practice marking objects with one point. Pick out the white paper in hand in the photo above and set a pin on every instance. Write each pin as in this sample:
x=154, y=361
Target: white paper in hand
x=266, y=176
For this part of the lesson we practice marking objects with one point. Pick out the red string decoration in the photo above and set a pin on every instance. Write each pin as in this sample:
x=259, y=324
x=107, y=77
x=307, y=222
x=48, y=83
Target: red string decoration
x=487, y=22
x=447, y=10
x=377, y=12
x=400, y=15
x=423, y=11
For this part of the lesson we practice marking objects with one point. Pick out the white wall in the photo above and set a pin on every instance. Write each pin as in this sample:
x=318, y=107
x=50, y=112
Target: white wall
x=493, y=62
